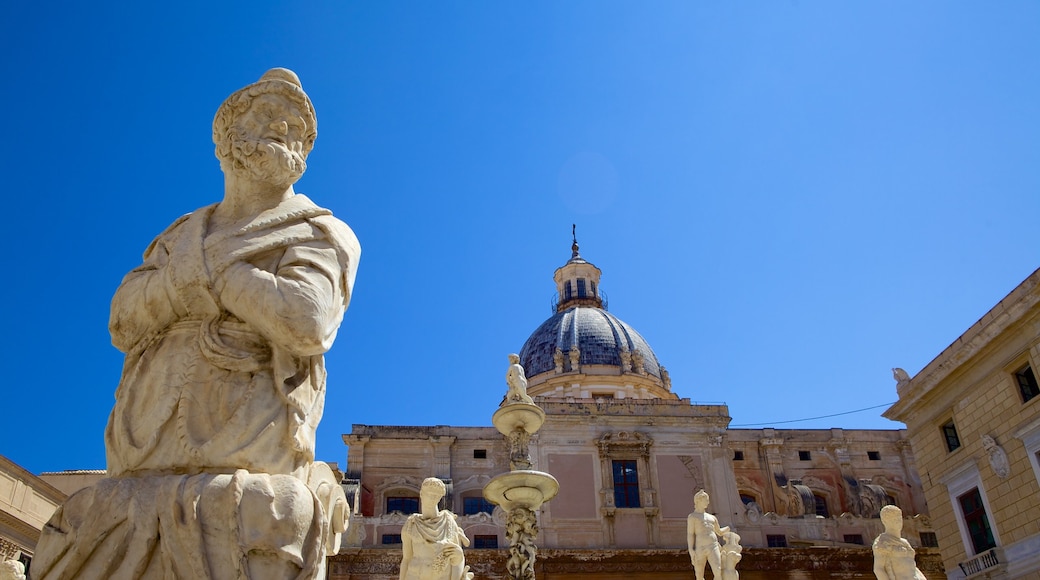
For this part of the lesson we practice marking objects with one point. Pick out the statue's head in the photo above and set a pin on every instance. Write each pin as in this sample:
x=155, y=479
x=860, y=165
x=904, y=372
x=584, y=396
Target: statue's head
x=892, y=518
x=700, y=499
x=514, y=359
x=265, y=130
x=433, y=487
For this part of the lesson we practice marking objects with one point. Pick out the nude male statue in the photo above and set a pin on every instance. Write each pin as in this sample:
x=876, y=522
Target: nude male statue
x=702, y=537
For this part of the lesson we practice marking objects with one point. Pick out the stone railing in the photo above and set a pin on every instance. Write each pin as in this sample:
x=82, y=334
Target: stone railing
x=984, y=564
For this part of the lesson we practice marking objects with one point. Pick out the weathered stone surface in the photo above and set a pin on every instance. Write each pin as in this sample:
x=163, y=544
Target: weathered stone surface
x=210, y=445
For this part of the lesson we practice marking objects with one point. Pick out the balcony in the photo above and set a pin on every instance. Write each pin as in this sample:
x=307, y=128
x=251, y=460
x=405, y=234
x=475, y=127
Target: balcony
x=989, y=564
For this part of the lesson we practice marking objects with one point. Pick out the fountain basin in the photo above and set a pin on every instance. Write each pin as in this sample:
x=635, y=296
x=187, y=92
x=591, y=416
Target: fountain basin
x=515, y=415
x=521, y=488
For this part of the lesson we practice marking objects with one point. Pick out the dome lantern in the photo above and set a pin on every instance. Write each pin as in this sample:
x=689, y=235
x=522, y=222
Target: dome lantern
x=577, y=281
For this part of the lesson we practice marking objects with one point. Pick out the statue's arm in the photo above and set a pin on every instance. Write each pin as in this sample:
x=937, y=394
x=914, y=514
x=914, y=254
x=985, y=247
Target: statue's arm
x=299, y=306
x=718, y=530
x=142, y=304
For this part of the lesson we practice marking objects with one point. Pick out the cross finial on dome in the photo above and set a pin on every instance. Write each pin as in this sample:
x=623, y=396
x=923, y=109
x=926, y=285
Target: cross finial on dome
x=574, y=236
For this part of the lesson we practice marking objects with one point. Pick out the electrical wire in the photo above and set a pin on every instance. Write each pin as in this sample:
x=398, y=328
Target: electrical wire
x=814, y=418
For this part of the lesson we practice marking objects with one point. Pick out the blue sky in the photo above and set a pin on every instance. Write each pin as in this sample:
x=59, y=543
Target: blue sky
x=786, y=199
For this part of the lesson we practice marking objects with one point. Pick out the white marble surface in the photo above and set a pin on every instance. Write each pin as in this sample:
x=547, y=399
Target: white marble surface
x=432, y=541
x=210, y=444
x=893, y=555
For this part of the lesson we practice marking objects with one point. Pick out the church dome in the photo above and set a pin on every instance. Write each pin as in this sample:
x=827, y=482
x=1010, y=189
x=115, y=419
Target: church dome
x=600, y=338
x=584, y=351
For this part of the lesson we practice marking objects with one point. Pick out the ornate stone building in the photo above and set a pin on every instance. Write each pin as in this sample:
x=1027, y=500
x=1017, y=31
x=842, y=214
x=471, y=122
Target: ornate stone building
x=26, y=502
x=629, y=454
x=973, y=417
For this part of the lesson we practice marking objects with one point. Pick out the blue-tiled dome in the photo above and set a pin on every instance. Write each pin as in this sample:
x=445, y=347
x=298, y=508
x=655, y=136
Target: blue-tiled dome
x=599, y=335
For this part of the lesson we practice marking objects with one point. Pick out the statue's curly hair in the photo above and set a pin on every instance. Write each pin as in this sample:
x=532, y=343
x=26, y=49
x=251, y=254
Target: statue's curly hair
x=277, y=80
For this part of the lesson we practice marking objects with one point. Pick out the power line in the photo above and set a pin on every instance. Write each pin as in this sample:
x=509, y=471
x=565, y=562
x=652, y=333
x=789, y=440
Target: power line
x=814, y=418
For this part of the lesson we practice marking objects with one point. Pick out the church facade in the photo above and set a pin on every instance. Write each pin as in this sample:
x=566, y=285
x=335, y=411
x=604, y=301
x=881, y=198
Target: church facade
x=629, y=455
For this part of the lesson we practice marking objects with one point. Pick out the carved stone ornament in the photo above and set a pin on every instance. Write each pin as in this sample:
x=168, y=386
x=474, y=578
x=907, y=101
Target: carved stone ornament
x=626, y=360
x=521, y=531
x=613, y=444
x=210, y=445
x=998, y=459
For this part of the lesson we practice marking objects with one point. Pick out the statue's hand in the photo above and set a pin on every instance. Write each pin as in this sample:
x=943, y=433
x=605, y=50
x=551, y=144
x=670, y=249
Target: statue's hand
x=452, y=553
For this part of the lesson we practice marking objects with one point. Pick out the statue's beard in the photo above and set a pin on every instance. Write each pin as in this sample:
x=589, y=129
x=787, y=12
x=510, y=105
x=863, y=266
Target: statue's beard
x=268, y=161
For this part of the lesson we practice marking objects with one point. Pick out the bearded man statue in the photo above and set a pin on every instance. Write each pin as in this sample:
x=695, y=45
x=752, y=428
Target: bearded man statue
x=210, y=445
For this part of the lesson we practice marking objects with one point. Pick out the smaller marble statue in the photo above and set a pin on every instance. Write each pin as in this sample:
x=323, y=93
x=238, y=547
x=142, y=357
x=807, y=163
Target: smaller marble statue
x=731, y=555
x=517, y=381
x=12, y=570
x=893, y=555
x=626, y=360
x=638, y=363
x=558, y=360
x=901, y=377
x=575, y=356
x=432, y=541
x=702, y=537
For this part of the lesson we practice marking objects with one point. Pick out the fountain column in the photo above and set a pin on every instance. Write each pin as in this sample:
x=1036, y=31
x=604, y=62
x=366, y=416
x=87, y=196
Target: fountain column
x=523, y=490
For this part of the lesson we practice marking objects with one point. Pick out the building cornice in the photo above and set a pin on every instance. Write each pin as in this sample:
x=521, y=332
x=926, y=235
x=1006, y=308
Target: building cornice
x=1008, y=312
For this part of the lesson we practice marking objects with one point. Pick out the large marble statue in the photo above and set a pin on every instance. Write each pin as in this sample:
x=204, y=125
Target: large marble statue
x=517, y=382
x=702, y=537
x=432, y=540
x=893, y=555
x=210, y=445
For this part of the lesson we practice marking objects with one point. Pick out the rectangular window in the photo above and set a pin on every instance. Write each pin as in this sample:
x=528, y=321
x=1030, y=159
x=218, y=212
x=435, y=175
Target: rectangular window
x=776, y=540
x=488, y=542
x=581, y=288
x=738, y=456
x=821, y=506
x=804, y=456
x=1027, y=385
x=874, y=455
x=950, y=434
x=476, y=505
x=567, y=292
x=593, y=285
x=929, y=540
x=626, y=483
x=976, y=521
x=405, y=505
x=854, y=539
x=480, y=454
x=391, y=539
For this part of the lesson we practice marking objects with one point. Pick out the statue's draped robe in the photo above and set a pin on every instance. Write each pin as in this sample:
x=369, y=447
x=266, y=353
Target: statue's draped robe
x=427, y=536
x=210, y=444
